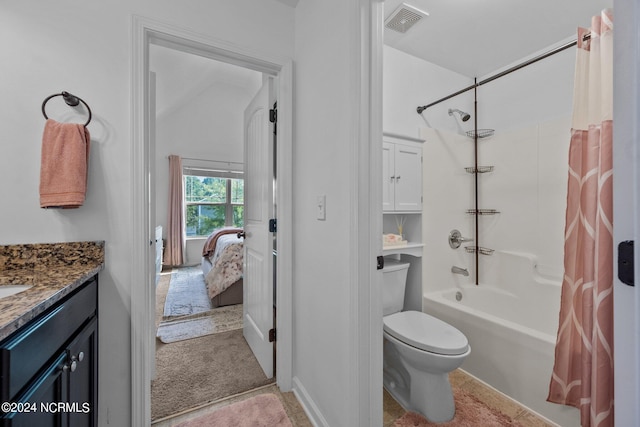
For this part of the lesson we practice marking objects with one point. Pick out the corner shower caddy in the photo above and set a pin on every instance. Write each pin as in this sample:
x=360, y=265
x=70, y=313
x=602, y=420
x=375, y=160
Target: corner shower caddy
x=475, y=170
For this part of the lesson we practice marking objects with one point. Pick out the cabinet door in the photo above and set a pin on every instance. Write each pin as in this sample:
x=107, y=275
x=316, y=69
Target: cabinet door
x=48, y=389
x=408, y=178
x=388, y=177
x=82, y=385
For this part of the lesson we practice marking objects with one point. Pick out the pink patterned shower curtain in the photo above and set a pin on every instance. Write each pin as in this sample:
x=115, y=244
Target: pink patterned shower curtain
x=583, y=370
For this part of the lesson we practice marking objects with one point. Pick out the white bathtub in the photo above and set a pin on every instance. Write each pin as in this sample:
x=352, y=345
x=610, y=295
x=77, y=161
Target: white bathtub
x=512, y=335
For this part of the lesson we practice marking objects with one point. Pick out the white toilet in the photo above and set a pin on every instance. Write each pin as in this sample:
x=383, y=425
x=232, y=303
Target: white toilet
x=419, y=351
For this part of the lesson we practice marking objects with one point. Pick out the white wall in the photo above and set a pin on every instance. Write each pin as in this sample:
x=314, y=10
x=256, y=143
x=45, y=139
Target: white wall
x=409, y=82
x=84, y=48
x=323, y=160
x=534, y=94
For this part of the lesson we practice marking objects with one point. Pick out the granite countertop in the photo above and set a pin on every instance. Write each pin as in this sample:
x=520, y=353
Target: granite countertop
x=53, y=269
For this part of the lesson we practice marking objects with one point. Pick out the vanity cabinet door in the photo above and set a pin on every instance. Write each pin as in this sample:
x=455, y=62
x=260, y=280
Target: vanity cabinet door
x=82, y=385
x=46, y=389
x=49, y=370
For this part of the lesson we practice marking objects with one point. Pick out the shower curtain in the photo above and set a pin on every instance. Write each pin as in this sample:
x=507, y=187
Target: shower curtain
x=175, y=220
x=583, y=370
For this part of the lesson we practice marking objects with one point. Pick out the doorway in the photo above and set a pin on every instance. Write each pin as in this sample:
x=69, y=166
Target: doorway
x=199, y=106
x=146, y=34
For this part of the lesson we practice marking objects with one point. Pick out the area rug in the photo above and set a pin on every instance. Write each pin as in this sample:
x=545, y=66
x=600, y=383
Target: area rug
x=193, y=372
x=470, y=412
x=214, y=321
x=187, y=293
x=263, y=410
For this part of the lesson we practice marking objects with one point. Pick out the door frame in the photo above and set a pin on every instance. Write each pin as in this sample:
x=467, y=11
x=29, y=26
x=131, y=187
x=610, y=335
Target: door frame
x=145, y=32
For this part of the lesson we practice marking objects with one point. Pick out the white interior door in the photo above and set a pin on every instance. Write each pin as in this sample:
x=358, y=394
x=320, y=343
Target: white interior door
x=258, y=242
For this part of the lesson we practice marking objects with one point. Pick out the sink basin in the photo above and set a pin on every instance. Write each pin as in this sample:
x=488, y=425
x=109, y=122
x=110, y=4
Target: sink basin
x=8, y=290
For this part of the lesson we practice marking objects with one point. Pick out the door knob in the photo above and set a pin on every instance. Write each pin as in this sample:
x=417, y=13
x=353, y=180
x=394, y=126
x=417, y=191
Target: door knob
x=241, y=235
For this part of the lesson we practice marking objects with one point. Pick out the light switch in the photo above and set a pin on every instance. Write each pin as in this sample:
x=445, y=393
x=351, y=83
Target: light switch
x=321, y=211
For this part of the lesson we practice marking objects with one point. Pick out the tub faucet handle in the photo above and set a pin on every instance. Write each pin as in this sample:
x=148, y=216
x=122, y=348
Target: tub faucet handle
x=456, y=239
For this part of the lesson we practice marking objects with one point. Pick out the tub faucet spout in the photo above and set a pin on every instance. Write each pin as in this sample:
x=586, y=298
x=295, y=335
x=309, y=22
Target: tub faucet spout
x=459, y=270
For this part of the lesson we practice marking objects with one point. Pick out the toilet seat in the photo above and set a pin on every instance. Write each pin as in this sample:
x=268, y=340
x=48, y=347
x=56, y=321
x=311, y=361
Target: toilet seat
x=425, y=332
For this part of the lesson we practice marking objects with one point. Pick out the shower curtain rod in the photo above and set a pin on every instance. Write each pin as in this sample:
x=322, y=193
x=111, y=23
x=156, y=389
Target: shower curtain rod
x=507, y=71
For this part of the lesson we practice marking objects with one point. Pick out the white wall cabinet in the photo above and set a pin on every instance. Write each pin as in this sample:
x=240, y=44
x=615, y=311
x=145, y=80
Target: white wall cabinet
x=401, y=174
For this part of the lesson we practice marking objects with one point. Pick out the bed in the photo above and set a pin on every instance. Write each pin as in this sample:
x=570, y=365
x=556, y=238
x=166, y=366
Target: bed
x=222, y=256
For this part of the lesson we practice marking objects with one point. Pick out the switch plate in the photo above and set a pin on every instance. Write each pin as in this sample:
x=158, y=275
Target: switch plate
x=321, y=211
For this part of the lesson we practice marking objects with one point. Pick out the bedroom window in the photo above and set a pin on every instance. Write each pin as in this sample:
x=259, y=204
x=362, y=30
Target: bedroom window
x=212, y=202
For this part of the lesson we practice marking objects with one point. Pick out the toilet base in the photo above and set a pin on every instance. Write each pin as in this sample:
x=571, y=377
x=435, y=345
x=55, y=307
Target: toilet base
x=430, y=396
x=419, y=380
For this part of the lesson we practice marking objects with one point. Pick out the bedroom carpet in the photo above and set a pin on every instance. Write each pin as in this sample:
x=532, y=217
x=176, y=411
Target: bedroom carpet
x=214, y=321
x=187, y=293
x=197, y=371
x=262, y=410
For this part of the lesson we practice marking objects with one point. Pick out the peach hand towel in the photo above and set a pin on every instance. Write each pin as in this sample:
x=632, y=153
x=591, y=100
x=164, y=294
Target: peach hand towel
x=64, y=165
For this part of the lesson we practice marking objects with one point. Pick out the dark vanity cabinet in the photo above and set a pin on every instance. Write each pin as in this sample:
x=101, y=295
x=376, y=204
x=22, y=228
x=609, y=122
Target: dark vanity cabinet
x=48, y=368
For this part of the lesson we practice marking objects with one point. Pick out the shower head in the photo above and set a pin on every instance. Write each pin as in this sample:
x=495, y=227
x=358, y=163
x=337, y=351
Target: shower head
x=464, y=116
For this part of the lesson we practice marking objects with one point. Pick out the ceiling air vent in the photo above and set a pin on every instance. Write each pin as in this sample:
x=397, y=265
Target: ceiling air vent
x=403, y=18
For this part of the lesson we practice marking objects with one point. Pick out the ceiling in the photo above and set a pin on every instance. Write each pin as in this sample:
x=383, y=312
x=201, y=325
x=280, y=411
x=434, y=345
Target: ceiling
x=471, y=37
x=477, y=37
x=183, y=76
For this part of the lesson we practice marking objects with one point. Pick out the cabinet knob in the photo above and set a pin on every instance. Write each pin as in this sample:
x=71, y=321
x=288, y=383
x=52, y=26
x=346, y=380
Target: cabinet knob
x=72, y=367
x=74, y=362
x=397, y=178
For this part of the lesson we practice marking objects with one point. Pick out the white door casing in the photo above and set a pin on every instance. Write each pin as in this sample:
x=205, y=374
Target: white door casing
x=151, y=133
x=145, y=32
x=258, y=242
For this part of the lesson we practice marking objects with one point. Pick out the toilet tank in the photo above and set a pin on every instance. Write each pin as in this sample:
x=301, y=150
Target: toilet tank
x=394, y=280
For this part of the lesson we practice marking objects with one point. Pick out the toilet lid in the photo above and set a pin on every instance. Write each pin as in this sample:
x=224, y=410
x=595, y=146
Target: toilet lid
x=425, y=332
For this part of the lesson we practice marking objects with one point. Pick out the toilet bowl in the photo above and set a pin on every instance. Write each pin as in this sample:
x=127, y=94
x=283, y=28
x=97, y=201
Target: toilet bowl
x=419, y=352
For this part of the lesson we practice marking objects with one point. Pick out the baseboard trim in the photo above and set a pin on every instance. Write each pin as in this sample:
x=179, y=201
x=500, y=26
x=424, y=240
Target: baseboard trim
x=309, y=406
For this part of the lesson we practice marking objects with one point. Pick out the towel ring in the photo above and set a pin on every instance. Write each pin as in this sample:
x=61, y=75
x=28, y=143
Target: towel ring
x=70, y=100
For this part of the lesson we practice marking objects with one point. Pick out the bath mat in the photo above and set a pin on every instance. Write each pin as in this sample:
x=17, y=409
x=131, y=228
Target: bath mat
x=470, y=412
x=261, y=410
x=187, y=293
x=215, y=321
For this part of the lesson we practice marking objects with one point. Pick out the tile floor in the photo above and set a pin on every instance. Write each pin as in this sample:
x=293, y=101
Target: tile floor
x=392, y=410
x=487, y=395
